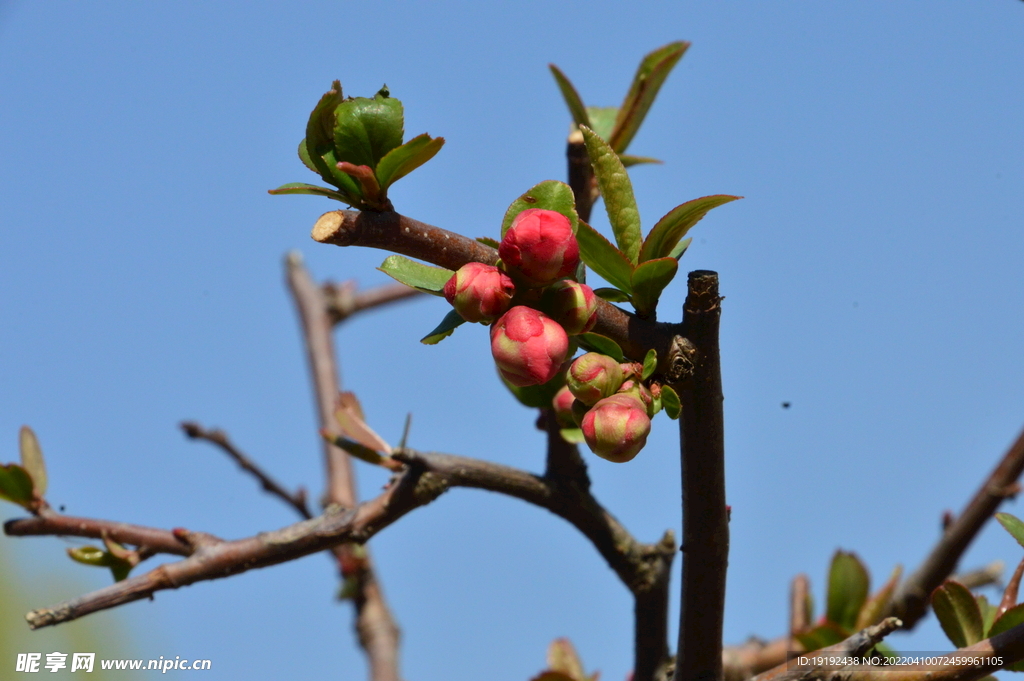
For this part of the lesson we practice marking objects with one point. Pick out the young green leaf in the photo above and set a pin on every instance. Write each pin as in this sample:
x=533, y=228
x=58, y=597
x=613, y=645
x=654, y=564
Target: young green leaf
x=821, y=636
x=988, y=614
x=612, y=295
x=488, y=241
x=649, y=280
x=603, y=119
x=89, y=555
x=650, y=364
x=320, y=131
x=447, y=327
x=847, y=589
x=595, y=342
x=650, y=76
x=628, y=160
x=1013, y=525
x=1008, y=620
x=303, y=188
x=32, y=459
x=876, y=606
x=304, y=157
x=402, y=160
x=670, y=402
x=548, y=195
x=958, y=613
x=15, y=485
x=365, y=130
x=600, y=256
x=572, y=435
x=368, y=185
x=426, y=278
x=680, y=248
x=571, y=97
x=665, y=235
x=617, y=190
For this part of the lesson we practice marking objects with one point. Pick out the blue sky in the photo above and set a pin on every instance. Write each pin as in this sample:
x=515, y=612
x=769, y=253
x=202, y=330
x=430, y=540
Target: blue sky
x=872, y=276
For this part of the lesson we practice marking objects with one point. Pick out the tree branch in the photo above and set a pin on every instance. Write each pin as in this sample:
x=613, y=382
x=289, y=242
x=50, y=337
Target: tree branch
x=343, y=300
x=581, y=175
x=705, y=515
x=855, y=646
x=152, y=539
x=399, y=234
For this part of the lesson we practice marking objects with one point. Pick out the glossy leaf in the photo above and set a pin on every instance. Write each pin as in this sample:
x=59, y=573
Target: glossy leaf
x=595, y=342
x=821, y=636
x=402, y=160
x=680, y=248
x=304, y=157
x=612, y=295
x=602, y=119
x=447, y=327
x=664, y=236
x=847, y=589
x=426, y=278
x=536, y=396
x=601, y=256
x=628, y=160
x=303, y=188
x=670, y=402
x=876, y=606
x=15, y=485
x=319, y=138
x=548, y=195
x=958, y=613
x=571, y=97
x=650, y=76
x=349, y=415
x=366, y=129
x=1013, y=525
x=650, y=364
x=649, y=280
x=32, y=459
x=617, y=191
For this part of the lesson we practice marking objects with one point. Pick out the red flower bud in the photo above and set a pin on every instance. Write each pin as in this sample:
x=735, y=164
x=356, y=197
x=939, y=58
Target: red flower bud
x=616, y=428
x=640, y=392
x=594, y=376
x=528, y=346
x=571, y=304
x=540, y=247
x=479, y=292
x=562, y=404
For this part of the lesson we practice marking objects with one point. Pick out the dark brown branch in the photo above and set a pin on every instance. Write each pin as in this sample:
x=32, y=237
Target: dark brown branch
x=343, y=300
x=581, y=175
x=705, y=515
x=399, y=234
x=296, y=500
x=911, y=599
x=153, y=539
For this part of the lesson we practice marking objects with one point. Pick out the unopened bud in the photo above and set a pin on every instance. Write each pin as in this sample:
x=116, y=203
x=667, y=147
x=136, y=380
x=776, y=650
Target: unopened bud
x=594, y=376
x=540, y=247
x=528, y=346
x=640, y=392
x=571, y=304
x=616, y=428
x=562, y=404
x=479, y=292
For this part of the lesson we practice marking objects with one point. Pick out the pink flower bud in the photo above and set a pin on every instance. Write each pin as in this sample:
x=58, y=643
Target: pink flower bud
x=479, y=292
x=571, y=304
x=641, y=392
x=528, y=346
x=594, y=376
x=562, y=404
x=616, y=428
x=540, y=247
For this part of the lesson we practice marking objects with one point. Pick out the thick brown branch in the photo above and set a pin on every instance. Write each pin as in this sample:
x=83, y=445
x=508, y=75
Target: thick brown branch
x=296, y=500
x=911, y=599
x=399, y=234
x=343, y=300
x=153, y=539
x=705, y=515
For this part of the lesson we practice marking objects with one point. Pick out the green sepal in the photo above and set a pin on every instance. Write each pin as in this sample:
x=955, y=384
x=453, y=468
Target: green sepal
x=821, y=636
x=426, y=278
x=303, y=188
x=365, y=129
x=595, y=342
x=602, y=119
x=571, y=97
x=670, y=402
x=617, y=191
x=402, y=160
x=536, y=396
x=649, y=279
x=612, y=295
x=1008, y=620
x=629, y=160
x=572, y=435
x=16, y=485
x=664, y=236
x=601, y=256
x=958, y=613
x=650, y=364
x=32, y=459
x=548, y=195
x=848, y=584
x=1013, y=525
x=447, y=327
x=650, y=76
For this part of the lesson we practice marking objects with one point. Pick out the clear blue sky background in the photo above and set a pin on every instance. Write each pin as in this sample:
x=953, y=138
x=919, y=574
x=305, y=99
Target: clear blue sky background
x=872, y=274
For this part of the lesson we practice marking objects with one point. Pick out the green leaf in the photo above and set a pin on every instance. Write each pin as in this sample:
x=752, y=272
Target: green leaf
x=548, y=195
x=600, y=256
x=536, y=396
x=595, y=342
x=1008, y=620
x=365, y=130
x=426, y=278
x=612, y=295
x=821, y=636
x=988, y=613
x=628, y=160
x=573, y=435
x=650, y=364
x=617, y=190
x=649, y=280
x=847, y=589
x=603, y=119
x=680, y=248
x=32, y=459
x=90, y=555
x=15, y=485
x=303, y=188
x=304, y=157
x=1013, y=525
x=876, y=606
x=319, y=142
x=402, y=160
x=488, y=241
x=665, y=235
x=447, y=327
x=571, y=97
x=670, y=402
x=650, y=76
x=958, y=613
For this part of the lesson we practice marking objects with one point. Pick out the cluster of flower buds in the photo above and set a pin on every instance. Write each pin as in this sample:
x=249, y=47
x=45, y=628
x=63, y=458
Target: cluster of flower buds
x=534, y=304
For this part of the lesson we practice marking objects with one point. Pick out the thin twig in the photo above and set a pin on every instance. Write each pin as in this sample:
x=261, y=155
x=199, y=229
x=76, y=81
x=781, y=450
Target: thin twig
x=296, y=500
x=705, y=514
x=154, y=539
x=855, y=646
x=343, y=300
x=798, y=593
